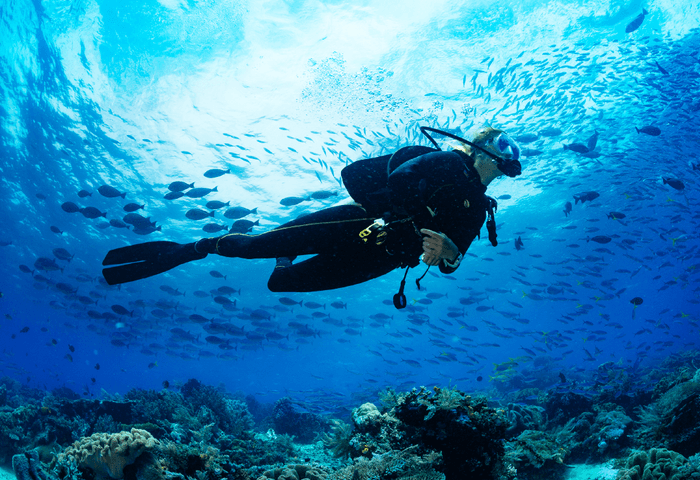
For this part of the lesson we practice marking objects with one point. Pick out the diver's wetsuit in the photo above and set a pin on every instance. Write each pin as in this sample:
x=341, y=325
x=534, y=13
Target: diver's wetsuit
x=437, y=190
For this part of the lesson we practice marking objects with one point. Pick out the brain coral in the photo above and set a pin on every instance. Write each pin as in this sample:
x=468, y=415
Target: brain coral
x=657, y=464
x=108, y=454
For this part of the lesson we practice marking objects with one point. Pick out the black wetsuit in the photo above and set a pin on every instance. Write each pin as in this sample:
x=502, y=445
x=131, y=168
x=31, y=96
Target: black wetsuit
x=416, y=188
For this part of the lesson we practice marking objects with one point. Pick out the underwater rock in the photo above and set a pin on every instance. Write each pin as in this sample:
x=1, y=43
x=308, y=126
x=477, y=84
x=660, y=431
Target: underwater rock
x=28, y=467
x=107, y=455
x=290, y=420
x=561, y=407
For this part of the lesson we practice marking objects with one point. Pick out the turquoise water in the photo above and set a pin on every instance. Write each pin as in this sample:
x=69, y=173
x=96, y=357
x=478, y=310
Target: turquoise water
x=285, y=94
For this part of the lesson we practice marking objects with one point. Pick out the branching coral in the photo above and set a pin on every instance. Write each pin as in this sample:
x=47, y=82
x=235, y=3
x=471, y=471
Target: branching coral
x=107, y=455
x=338, y=441
x=403, y=465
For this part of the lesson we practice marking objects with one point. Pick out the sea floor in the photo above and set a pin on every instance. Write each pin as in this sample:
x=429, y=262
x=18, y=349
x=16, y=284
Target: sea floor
x=602, y=471
x=6, y=474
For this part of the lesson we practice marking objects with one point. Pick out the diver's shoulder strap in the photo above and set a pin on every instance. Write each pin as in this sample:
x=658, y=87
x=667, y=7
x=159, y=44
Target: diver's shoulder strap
x=406, y=154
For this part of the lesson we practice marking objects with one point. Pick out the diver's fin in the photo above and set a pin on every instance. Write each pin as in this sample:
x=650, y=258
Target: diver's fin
x=137, y=253
x=145, y=260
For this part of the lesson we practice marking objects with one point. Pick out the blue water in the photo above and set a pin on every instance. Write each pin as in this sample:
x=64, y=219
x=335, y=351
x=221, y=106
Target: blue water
x=285, y=94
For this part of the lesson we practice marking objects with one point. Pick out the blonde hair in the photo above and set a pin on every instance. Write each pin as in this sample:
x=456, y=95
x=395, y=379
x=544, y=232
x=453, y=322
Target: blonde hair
x=481, y=138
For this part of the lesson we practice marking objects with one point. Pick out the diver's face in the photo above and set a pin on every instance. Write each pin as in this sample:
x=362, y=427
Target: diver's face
x=486, y=164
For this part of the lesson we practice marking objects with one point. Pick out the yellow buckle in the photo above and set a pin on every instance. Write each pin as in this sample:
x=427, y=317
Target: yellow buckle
x=364, y=234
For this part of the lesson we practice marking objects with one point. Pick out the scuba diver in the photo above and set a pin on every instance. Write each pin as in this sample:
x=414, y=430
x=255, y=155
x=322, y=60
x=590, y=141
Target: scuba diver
x=419, y=203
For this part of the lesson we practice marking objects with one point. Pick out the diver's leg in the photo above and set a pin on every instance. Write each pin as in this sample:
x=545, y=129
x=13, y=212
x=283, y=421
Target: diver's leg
x=332, y=230
x=328, y=272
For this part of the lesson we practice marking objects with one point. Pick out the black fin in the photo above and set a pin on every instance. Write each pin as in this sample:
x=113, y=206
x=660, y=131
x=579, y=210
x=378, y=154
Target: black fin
x=145, y=260
x=137, y=253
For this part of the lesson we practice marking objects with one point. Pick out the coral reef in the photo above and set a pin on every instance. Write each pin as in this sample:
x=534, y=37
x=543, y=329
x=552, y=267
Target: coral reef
x=27, y=466
x=533, y=450
x=107, y=455
x=656, y=464
x=295, y=472
x=524, y=417
x=339, y=438
x=467, y=432
x=561, y=407
x=400, y=465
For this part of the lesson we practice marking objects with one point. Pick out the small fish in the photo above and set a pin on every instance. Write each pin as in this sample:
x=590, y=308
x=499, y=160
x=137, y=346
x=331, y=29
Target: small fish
x=71, y=348
x=153, y=365
x=173, y=195
x=70, y=207
x=68, y=357
x=585, y=196
x=214, y=227
x=62, y=254
x=84, y=193
x=92, y=213
x=592, y=141
x=235, y=213
x=198, y=214
x=291, y=201
x=180, y=186
x=519, y=244
x=567, y=208
x=217, y=274
x=551, y=132
x=132, y=207
x=661, y=69
x=97, y=366
x=577, y=147
x=649, y=130
x=616, y=215
x=24, y=330
x=243, y=226
x=215, y=172
x=289, y=302
x=637, y=22
x=637, y=301
x=56, y=230
x=527, y=138
x=166, y=384
x=600, y=239
x=200, y=192
x=504, y=197
x=673, y=182
x=315, y=305
x=110, y=192
x=216, y=204
x=323, y=195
